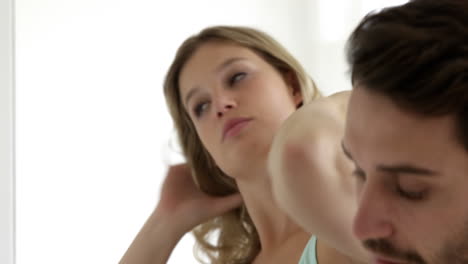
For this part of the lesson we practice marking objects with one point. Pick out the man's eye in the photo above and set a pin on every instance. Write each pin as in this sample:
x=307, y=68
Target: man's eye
x=410, y=195
x=237, y=77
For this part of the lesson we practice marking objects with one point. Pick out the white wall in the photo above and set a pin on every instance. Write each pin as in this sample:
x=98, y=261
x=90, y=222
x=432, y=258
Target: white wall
x=7, y=225
x=93, y=131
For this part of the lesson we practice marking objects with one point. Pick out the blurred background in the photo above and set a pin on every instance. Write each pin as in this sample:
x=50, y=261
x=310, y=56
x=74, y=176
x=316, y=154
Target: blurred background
x=93, y=136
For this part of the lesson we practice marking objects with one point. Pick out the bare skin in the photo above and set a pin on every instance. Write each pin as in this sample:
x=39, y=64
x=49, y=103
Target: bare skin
x=411, y=177
x=182, y=200
x=255, y=89
x=281, y=239
x=182, y=206
x=311, y=177
x=222, y=82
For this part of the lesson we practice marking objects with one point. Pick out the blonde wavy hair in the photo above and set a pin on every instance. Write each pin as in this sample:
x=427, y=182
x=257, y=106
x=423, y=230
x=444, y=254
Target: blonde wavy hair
x=237, y=238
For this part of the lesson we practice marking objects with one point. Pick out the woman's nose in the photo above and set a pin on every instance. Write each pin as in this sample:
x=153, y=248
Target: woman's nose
x=224, y=102
x=223, y=109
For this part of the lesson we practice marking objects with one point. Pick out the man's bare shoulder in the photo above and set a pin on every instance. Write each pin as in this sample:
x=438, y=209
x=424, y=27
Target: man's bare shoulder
x=340, y=100
x=321, y=112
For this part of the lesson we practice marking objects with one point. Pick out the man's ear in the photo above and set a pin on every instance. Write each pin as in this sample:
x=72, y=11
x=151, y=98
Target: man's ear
x=294, y=87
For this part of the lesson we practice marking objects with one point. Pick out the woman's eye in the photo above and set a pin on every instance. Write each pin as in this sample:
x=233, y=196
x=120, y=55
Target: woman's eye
x=237, y=77
x=200, y=108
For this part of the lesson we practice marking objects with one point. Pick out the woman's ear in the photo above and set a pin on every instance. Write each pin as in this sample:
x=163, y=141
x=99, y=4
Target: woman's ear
x=294, y=87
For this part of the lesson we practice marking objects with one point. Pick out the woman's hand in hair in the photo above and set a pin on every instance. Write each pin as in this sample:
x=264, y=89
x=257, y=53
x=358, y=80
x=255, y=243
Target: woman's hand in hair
x=182, y=207
x=183, y=202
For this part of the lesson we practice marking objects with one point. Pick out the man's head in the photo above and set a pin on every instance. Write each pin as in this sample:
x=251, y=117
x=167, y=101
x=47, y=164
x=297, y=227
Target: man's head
x=407, y=131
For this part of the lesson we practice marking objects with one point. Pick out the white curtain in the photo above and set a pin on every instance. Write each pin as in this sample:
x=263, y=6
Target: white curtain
x=93, y=133
x=7, y=198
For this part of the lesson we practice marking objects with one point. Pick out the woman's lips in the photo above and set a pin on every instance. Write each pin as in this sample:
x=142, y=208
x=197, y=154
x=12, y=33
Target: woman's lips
x=233, y=127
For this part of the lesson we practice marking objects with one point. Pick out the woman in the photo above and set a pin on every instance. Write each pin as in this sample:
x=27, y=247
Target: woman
x=229, y=90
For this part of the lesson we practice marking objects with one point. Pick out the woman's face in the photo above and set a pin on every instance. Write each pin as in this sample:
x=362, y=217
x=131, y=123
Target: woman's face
x=236, y=101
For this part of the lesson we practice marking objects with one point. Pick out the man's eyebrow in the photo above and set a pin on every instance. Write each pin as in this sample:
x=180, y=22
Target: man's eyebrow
x=406, y=169
x=403, y=168
x=228, y=62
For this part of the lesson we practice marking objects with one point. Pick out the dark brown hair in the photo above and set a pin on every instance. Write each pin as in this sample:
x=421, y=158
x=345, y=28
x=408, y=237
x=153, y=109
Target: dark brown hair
x=417, y=55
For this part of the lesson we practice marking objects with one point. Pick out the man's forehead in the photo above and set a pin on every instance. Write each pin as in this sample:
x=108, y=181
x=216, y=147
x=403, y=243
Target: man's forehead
x=379, y=131
x=368, y=109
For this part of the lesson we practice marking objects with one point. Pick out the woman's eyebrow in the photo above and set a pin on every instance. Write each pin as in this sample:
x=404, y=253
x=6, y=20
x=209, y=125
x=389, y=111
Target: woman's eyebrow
x=223, y=65
x=190, y=94
x=228, y=62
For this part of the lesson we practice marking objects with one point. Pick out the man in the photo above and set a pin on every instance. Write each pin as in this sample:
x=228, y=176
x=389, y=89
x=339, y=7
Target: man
x=407, y=132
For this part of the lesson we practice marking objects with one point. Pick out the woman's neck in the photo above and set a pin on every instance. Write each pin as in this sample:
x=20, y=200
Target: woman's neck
x=274, y=227
x=327, y=254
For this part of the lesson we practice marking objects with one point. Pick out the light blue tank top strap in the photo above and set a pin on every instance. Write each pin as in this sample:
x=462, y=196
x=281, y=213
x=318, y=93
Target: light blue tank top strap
x=309, y=256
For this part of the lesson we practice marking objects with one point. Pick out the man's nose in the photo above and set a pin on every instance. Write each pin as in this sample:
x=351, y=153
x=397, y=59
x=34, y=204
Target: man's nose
x=373, y=217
